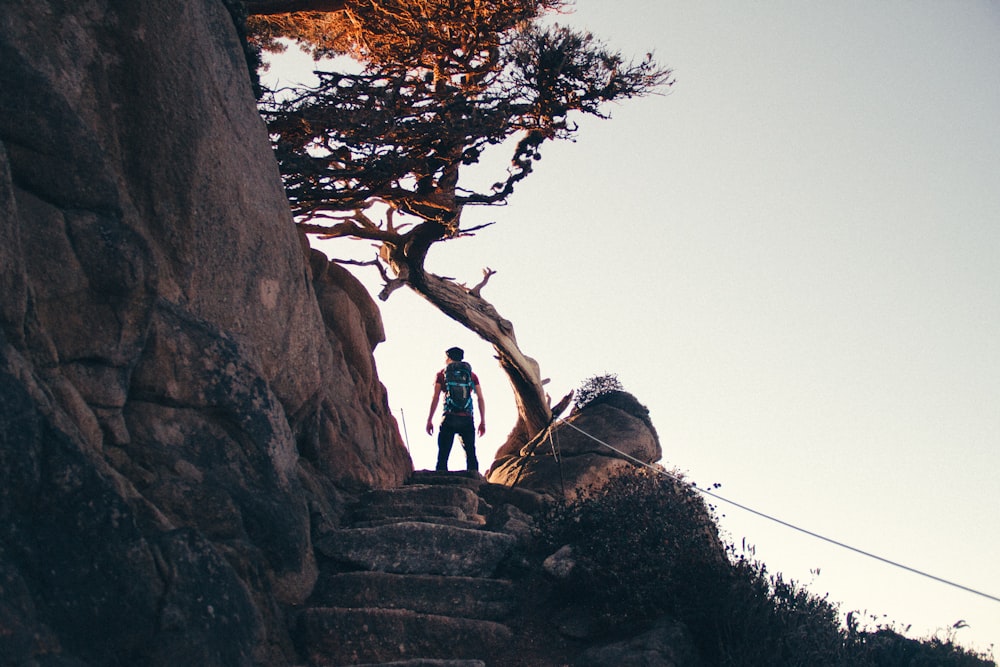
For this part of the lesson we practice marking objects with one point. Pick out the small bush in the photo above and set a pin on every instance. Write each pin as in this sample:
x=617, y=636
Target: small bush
x=595, y=386
x=607, y=390
x=884, y=645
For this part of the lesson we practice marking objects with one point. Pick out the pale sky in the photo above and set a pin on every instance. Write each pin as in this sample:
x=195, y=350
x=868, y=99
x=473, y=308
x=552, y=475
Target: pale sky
x=792, y=260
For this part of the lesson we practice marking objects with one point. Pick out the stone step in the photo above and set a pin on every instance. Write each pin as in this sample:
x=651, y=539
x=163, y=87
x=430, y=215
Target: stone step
x=418, y=548
x=425, y=663
x=401, y=512
x=464, y=597
x=472, y=480
x=477, y=523
x=330, y=636
x=457, y=497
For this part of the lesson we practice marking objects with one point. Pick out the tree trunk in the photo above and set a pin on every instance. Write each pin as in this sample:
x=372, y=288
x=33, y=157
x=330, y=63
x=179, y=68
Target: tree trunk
x=476, y=314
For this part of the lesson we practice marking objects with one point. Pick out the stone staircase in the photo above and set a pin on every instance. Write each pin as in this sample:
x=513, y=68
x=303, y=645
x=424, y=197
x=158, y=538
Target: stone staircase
x=412, y=579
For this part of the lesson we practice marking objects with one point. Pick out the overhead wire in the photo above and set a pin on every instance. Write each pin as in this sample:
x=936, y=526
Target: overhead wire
x=781, y=522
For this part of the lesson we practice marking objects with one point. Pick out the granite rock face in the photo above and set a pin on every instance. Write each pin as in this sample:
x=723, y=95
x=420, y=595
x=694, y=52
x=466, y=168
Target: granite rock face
x=186, y=390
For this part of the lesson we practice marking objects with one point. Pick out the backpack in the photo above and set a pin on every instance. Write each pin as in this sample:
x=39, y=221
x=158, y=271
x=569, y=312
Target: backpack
x=458, y=388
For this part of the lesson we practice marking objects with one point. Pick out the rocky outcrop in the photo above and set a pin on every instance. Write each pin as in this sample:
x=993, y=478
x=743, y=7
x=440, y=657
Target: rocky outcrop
x=608, y=434
x=186, y=392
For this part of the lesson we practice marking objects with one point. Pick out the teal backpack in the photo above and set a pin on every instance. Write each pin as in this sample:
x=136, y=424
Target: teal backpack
x=458, y=388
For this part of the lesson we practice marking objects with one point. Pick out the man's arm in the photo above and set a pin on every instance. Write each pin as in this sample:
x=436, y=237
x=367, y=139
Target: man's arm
x=434, y=404
x=482, y=409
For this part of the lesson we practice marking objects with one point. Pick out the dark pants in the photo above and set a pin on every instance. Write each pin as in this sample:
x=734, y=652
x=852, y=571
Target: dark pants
x=465, y=428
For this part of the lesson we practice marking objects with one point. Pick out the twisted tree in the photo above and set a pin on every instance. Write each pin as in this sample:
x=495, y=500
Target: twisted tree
x=376, y=151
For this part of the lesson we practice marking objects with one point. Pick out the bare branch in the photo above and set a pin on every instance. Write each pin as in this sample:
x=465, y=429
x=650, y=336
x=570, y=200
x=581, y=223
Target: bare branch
x=354, y=228
x=390, y=287
x=469, y=231
x=563, y=403
x=476, y=291
x=357, y=262
x=328, y=231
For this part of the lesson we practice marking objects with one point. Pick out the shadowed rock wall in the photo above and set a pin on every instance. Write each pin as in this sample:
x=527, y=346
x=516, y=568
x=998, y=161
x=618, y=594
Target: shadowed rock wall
x=185, y=389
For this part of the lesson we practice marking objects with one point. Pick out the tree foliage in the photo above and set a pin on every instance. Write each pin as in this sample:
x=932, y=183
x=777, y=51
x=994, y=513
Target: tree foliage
x=401, y=131
x=392, y=31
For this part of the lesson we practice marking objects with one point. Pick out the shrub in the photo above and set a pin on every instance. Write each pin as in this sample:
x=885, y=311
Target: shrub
x=763, y=619
x=594, y=387
x=644, y=546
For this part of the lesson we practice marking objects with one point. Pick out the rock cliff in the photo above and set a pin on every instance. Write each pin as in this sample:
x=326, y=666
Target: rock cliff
x=186, y=391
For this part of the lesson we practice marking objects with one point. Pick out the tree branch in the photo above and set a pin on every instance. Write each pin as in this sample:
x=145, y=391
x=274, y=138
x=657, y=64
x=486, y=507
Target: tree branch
x=390, y=286
x=487, y=274
x=469, y=231
x=358, y=262
x=351, y=228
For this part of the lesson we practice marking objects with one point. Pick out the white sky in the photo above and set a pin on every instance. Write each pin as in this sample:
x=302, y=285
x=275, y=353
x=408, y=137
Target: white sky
x=792, y=260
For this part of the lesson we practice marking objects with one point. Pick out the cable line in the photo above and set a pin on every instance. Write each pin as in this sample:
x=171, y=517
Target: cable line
x=785, y=523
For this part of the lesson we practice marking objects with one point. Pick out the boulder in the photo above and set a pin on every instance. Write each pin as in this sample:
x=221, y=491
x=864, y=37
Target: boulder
x=606, y=435
x=560, y=564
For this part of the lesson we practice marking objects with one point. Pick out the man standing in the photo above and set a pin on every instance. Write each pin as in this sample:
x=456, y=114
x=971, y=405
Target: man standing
x=457, y=382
